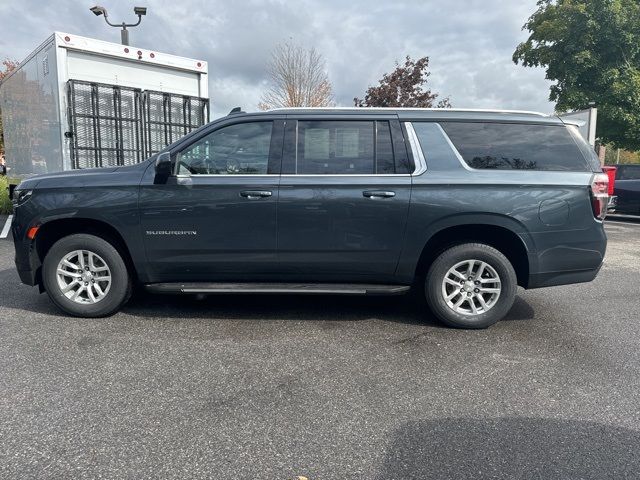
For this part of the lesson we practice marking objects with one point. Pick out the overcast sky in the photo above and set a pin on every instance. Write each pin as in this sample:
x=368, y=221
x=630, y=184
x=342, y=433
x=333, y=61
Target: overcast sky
x=469, y=42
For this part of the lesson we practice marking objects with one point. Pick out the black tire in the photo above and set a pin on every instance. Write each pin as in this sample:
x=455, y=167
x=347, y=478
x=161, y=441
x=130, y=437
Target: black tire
x=459, y=253
x=120, y=288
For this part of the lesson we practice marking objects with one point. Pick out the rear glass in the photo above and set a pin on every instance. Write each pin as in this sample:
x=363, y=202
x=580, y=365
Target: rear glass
x=628, y=172
x=515, y=146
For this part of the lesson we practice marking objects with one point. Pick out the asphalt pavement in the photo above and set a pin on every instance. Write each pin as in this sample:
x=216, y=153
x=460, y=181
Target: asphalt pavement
x=325, y=387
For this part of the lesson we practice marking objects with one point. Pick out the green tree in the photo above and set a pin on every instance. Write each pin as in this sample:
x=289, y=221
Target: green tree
x=404, y=87
x=591, y=49
x=7, y=67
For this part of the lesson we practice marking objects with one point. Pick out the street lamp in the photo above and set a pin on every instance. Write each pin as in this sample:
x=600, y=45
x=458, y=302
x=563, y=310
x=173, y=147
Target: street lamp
x=124, y=33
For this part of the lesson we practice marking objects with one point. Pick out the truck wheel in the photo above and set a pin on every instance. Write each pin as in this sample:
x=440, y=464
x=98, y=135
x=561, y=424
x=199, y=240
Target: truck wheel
x=85, y=276
x=471, y=285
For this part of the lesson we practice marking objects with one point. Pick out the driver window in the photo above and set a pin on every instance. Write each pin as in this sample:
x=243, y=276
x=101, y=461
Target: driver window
x=241, y=149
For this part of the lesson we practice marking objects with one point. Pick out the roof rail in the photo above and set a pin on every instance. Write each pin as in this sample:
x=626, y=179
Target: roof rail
x=485, y=110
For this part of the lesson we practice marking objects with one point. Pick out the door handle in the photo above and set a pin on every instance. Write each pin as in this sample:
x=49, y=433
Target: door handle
x=378, y=194
x=255, y=194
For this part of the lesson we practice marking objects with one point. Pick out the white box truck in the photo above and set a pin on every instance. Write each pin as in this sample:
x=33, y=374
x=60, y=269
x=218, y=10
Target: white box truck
x=77, y=102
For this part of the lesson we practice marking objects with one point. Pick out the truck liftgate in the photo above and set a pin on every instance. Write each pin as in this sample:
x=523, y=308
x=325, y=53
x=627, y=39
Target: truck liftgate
x=112, y=125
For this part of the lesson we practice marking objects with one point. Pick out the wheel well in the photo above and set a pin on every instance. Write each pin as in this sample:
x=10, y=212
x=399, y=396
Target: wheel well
x=50, y=232
x=500, y=238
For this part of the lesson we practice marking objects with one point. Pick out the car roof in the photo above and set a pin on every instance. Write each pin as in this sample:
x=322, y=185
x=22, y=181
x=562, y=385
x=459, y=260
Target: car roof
x=441, y=114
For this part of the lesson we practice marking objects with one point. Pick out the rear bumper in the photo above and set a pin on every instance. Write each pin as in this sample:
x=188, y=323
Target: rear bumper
x=550, y=279
x=563, y=257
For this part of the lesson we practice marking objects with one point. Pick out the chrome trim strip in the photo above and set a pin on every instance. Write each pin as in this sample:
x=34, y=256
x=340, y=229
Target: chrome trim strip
x=228, y=175
x=454, y=149
x=416, y=150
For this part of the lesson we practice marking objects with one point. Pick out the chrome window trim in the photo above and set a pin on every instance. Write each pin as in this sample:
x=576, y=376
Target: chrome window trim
x=464, y=164
x=226, y=175
x=416, y=150
x=372, y=175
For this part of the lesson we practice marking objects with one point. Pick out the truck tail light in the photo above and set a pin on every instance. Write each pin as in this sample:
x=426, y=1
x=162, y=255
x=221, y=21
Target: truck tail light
x=611, y=172
x=599, y=195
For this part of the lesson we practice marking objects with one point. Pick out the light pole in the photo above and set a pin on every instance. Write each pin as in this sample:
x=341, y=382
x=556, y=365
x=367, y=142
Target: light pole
x=124, y=33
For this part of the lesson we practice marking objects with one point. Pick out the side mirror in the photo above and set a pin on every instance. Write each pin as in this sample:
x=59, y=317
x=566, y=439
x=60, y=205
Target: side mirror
x=163, y=168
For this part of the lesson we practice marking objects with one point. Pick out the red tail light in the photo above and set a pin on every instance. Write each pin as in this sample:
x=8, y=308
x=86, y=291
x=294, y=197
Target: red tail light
x=600, y=195
x=611, y=171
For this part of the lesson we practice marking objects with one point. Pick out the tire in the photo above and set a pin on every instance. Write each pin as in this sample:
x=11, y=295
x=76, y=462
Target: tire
x=496, y=287
x=103, y=260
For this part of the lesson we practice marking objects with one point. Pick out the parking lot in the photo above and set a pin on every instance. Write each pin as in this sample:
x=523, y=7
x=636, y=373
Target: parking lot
x=325, y=387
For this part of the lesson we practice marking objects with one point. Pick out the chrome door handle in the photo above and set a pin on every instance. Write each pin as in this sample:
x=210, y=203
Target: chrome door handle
x=255, y=194
x=378, y=194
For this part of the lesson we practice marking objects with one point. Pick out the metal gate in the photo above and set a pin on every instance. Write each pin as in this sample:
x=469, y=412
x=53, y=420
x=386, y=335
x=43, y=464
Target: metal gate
x=112, y=125
x=169, y=116
x=106, y=125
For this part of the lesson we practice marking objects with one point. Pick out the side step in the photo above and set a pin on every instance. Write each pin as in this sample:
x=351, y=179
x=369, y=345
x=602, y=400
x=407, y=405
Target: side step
x=275, y=288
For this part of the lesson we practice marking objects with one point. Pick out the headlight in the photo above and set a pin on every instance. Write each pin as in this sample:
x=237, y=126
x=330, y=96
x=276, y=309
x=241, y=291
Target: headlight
x=20, y=197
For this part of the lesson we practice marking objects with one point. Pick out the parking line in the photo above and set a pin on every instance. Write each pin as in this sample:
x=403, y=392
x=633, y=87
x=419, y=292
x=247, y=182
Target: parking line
x=7, y=226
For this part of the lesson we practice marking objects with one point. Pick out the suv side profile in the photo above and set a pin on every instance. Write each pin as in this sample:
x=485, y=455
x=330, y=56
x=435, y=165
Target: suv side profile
x=463, y=205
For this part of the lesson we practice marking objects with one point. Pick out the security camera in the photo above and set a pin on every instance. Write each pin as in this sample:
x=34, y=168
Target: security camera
x=98, y=10
x=140, y=10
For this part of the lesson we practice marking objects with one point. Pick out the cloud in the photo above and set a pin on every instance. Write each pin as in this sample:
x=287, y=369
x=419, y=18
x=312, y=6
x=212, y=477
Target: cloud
x=469, y=42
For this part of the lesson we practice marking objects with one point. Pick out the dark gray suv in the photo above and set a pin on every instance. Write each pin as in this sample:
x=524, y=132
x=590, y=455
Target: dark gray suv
x=463, y=205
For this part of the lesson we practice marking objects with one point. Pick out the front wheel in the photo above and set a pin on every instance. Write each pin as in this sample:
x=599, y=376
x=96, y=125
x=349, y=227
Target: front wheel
x=472, y=285
x=85, y=276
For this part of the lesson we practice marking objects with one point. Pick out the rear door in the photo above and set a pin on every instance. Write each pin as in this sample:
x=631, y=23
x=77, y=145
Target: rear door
x=344, y=198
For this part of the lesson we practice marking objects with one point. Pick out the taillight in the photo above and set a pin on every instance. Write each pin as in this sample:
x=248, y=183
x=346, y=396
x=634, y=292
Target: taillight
x=611, y=171
x=600, y=195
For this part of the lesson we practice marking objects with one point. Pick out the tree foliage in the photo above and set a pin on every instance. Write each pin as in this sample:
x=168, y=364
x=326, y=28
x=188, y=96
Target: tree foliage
x=591, y=49
x=406, y=86
x=297, y=78
x=8, y=66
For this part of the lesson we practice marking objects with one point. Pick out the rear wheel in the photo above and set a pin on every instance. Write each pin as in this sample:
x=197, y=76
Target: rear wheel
x=85, y=276
x=472, y=285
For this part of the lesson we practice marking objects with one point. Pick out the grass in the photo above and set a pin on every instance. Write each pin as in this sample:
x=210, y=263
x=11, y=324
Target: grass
x=5, y=201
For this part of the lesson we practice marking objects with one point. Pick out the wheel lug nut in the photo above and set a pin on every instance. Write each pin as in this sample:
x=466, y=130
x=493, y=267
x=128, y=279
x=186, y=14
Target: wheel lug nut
x=477, y=290
x=470, y=278
x=477, y=282
x=86, y=283
x=468, y=294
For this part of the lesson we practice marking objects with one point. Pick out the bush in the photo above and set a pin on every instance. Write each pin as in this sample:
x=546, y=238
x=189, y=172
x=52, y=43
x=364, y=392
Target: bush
x=5, y=201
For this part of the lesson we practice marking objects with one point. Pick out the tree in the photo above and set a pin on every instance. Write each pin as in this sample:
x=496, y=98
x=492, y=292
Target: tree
x=404, y=87
x=297, y=78
x=8, y=67
x=591, y=49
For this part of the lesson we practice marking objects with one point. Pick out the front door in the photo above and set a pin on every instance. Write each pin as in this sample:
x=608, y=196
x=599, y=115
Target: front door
x=215, y=219
x=344, y=199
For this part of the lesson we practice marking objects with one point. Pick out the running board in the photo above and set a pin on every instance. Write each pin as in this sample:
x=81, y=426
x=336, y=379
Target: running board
x=290, y=288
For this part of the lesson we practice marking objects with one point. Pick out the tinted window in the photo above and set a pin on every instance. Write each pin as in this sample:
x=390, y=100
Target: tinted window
x=344, y=147
x=504, y=146
x=628, y=172
x=384, y=149
x=241, y=149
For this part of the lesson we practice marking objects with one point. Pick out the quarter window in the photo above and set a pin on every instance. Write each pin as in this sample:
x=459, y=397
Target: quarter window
x=517, y=146
x=241, y=149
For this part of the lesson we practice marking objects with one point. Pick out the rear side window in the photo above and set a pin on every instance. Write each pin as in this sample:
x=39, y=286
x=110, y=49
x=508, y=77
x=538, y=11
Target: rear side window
x=336, y=147
x=511, y=146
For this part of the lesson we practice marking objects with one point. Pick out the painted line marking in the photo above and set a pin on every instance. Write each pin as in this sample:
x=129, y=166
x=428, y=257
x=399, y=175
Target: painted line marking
x=7, y=226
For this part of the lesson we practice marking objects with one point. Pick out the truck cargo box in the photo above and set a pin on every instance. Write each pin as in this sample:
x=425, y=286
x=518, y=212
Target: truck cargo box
x=77, y=102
